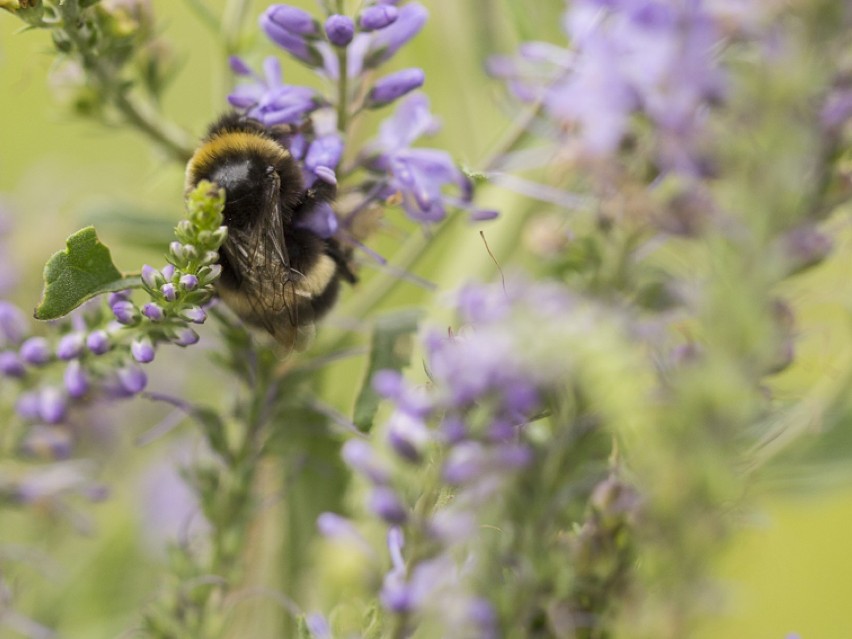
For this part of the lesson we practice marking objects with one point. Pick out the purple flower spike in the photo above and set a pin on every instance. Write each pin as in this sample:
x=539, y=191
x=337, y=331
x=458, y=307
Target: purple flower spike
x=125, y=312
x=394, y=86
x=132, y=379
x=378, y=17
x=98, y=342
x=76, y=380
x=153, y=312
x=13, y=323
x=385, y=503
x=70, y=346
x=11, y=365
x=340, y=30
x=142, y=350
x=35, y=351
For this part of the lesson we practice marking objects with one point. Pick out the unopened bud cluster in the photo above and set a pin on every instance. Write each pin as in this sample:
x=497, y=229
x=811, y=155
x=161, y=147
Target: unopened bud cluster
x=98, y=353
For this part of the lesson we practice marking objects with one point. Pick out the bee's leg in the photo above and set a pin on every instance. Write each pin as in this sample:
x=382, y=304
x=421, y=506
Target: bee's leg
x=320, y=192
x=336, y=253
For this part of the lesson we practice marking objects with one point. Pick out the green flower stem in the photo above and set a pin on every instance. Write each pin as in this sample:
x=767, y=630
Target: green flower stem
x=142, y=115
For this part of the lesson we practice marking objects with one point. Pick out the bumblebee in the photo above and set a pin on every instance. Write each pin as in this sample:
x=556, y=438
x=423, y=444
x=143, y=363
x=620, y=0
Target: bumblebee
x=276, y=274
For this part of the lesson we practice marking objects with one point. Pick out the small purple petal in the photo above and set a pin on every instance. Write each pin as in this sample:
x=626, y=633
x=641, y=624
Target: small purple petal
x=325, y=151
x=321, y=221
x=98, y=342
x=152, y=278
x=340, y=30
x=76, y=380
x=11, y=365
x=13, y=323
x=35, y=351
x=195, y=314
x=394, y=86
x=386, y=42
x=153, y=312
x=294, y=20
x=326, y=175
x=142, y=350
x=377, y=17
x=132, y=379
x=125, y=312
x=53, y=404
x=361, y=456
x=185, y=337
x=238, y=66
x=189, y=282
x=70, y=346
x=385, y=503
x=169, y=292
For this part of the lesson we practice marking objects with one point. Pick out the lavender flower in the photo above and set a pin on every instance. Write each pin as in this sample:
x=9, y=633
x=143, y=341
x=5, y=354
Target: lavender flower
x=271, y=101
x=98, y=342
x=11, y=364
x=13, y=324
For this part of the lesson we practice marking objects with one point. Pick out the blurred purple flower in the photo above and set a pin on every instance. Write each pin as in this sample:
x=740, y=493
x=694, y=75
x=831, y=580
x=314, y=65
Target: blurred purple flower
x=13, y=324
x=35, y=351
x=272, y=102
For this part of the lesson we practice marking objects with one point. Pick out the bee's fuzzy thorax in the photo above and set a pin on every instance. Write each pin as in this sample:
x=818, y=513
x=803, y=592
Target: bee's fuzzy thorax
x=232, y=143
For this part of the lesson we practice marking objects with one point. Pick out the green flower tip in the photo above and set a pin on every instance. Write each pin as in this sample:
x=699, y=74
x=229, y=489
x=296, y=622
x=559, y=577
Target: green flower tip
x=205, y=204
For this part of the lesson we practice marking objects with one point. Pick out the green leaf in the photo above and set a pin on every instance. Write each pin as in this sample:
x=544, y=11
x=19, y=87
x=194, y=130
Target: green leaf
x=390, y=349
x=80, y=272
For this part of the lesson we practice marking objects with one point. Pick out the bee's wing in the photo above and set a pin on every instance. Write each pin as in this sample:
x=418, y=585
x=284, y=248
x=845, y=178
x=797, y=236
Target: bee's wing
x=259, y=257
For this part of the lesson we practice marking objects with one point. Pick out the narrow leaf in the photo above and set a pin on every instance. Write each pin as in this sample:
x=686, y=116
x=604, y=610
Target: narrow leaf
x=390, y=349
x=80, y=272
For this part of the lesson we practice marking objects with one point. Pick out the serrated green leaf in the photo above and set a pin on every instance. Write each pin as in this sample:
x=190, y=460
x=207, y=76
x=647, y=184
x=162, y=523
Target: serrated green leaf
x=80, y=272
x=390, y=348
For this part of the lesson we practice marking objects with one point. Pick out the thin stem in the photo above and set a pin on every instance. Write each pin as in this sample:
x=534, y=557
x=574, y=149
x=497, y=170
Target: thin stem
x=342, y=92
x=139, y=114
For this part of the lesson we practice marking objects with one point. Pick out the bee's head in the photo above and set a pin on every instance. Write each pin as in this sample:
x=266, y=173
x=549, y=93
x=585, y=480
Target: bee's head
x=250, y=184
x=246, y=164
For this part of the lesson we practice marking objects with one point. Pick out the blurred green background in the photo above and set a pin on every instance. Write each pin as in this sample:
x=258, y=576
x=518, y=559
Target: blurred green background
x=790, y=570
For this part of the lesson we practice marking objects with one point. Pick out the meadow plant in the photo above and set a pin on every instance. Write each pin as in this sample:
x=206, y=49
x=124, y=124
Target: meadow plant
x=564, y=457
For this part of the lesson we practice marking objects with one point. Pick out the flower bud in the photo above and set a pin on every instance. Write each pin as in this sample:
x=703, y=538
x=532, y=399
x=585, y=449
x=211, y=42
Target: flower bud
x=13, y=324
x=185, y=337
x=52, y=405
x=377, y=17
x=142, y=350
x=195, y=314
x=340, y=30
x=76, y=380
x=11, y=364
x=394, y=86
x=132, y=379
x=35, y=351
x=189, y=282
x=70, y=346
x=152, y=278
x=153, y=312
x=125, y=312
x=98, y=342
x=385, y=503
x=169, y=291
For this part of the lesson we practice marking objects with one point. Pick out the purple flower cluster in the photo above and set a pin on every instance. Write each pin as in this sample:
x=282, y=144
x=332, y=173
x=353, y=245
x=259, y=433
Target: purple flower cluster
x=426, y=182
x=650, y=58
x=466, y=433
